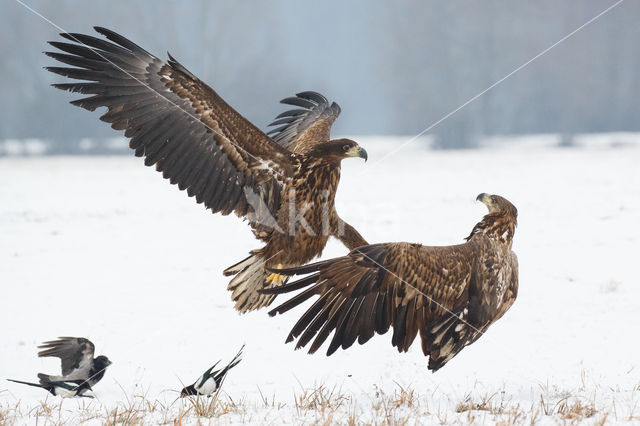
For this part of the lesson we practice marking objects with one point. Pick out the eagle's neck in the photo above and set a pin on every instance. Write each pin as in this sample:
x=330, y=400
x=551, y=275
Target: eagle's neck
x=498, y=226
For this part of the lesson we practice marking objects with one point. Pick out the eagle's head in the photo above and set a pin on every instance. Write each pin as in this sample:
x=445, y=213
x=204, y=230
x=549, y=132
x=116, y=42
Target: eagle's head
x=498, y=204
x=500, y=222
x=339, y=149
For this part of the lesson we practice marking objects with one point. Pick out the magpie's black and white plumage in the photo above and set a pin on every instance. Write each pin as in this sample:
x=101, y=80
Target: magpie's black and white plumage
x=77, y=361
x=210, y=381
x=65, y=389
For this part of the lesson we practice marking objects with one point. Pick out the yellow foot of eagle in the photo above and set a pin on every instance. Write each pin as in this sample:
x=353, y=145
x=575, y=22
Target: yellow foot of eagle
x=275, y=279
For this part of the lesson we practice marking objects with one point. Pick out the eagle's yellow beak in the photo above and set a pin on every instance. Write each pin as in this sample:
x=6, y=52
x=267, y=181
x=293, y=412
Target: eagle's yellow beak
x=358, y=151
x=484, y=199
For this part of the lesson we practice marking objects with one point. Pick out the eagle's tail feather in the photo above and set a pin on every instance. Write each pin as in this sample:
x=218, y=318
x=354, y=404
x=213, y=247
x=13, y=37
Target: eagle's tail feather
x=447, y=337
x=235, y=268
x=250, y=276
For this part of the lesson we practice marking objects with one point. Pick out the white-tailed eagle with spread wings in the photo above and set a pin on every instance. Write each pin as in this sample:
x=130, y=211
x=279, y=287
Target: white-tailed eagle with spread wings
x=450, y=294
x=191, y=135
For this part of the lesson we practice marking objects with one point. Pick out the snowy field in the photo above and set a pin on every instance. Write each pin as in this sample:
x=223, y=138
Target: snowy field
x=103, y=247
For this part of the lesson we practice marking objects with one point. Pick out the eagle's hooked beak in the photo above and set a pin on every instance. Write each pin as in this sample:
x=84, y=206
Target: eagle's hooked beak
x=360, y=152
x=484, y=199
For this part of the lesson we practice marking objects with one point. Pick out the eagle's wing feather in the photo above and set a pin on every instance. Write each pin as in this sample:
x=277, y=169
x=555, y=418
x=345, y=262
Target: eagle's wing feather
x=75, y=353
x=512, y=288
x=492, y=289
x=399, y=285
x=178, y=123
x=450, y=294
x=302, y=128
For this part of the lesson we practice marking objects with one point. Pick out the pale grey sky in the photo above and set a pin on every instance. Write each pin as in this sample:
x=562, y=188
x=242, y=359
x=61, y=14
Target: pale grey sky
x=394, y=67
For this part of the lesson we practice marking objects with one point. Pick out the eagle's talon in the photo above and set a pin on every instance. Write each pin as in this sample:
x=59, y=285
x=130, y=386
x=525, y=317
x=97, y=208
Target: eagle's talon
x=275, y=278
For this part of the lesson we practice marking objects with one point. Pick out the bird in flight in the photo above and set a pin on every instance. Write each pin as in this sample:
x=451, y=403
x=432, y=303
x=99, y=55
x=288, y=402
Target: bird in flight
x=450, y=294
x=283, y=186
x=77, y=361
x=211, y=380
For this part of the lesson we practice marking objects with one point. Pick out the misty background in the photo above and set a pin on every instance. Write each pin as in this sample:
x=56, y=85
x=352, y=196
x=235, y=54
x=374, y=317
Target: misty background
x=395, y=68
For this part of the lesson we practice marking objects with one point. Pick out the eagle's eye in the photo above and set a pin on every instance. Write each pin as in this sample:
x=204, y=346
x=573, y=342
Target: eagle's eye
x=346, y=148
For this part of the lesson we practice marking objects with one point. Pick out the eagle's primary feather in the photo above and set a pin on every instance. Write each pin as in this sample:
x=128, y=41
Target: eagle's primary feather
x=449, y=295
x=300, y=129
x=199, y=142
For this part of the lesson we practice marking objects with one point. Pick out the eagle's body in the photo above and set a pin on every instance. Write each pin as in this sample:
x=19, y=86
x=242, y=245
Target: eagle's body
x=304, y=238
x=204, y=146
x=450, y=295
x=304, y=221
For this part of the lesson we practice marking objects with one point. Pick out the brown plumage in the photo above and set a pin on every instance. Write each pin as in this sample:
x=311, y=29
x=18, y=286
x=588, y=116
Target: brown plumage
x=450, y=295
x=200, y=143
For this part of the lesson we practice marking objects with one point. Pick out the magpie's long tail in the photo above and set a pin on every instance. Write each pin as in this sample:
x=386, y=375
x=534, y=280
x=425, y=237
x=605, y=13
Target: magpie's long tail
x=37, y=385
x=219, y=375
x=83, y=385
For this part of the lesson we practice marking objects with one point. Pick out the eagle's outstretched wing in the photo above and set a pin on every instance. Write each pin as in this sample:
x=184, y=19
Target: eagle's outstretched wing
x=302, y=128
x=492, y=289
x=374, y=287
x=409, y=287
x=176, y=122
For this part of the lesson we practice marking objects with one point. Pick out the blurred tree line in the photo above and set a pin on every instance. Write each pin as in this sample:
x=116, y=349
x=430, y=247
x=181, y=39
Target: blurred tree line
x=394, y=67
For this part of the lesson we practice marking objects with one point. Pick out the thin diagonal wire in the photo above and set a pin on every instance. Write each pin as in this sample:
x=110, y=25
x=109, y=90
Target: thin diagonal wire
x=431, y=299
x=413, y=139
x=590, y=21
x=472, y=99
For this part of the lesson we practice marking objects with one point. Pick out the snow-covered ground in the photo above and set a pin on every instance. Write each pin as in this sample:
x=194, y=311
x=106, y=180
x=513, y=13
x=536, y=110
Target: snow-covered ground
x=103, y=247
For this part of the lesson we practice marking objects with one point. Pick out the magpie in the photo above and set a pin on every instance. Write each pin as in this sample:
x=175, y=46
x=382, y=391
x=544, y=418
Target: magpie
x=77, y=362
x=211, y=380
x=65, y=389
